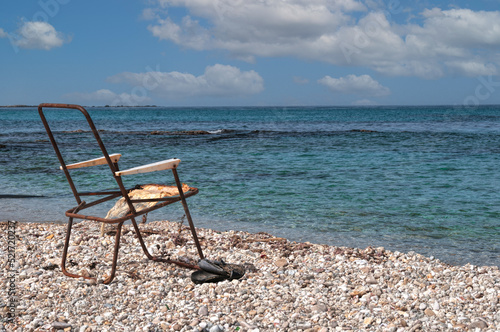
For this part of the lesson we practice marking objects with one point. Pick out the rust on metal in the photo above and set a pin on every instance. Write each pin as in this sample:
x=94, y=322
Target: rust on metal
x=75, y=213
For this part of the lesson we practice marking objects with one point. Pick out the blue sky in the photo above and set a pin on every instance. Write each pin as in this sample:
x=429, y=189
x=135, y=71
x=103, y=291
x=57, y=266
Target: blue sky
x=250, y=52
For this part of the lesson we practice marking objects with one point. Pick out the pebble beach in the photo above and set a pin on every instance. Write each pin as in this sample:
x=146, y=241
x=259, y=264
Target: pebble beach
x=288, y=286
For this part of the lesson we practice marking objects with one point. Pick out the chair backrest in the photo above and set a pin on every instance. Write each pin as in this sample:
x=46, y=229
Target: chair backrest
x=110, y=160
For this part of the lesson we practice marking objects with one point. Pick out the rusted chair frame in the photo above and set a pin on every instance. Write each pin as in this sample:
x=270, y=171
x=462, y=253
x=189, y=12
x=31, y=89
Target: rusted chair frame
x=122, y=192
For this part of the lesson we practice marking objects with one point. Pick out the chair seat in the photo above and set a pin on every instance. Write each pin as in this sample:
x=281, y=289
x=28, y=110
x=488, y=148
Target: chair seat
x=145, y=192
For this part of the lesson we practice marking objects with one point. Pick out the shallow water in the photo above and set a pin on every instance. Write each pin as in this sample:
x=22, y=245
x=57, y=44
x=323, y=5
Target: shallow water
x=407, y=178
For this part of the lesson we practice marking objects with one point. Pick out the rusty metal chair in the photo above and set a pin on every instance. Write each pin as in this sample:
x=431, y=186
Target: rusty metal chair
x=112, y=162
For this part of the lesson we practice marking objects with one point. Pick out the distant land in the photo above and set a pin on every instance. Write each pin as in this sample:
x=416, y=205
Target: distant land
x=23, y=106
x=13, y=106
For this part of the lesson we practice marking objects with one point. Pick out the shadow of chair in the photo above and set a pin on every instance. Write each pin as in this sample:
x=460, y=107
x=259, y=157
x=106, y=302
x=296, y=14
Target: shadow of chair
x=121, y=192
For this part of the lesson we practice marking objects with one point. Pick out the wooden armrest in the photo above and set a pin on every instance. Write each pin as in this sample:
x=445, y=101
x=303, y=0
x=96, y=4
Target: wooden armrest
x=94, y=162
x=158, y=166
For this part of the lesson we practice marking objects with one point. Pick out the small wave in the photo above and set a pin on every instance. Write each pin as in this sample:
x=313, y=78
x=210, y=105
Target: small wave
x=182, y=132
x=192, y=132
x=221, y=131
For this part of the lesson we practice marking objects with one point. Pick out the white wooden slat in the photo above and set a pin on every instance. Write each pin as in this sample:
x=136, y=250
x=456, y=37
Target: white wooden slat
x=158, y=166
x=94, y=162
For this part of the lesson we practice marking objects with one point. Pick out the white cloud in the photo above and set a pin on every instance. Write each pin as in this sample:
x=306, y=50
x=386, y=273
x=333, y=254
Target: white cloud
x=359, y=85
x=364, y=102
x=2, y=33
x=149, y=14
x=462, y=27
x=471, y=68
x=189, y=34
x=37, y=35
x=253, y=27
x=217, y=81
x=342, y=32
x=108, y=97
x=456, y=41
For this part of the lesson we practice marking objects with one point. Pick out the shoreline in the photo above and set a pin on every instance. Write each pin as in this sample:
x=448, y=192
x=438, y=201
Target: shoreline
x=446, y=253
x=288, y=285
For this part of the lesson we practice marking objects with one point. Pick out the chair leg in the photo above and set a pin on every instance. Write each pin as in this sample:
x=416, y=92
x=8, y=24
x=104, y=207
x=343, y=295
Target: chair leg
x=159, y=259
x=115, y=254
x=65, y=251
x=66, y=246
x=188, y=215
x=141, y=241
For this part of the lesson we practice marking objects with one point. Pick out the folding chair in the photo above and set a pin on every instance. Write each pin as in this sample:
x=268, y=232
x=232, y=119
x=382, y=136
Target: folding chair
x=112, y=162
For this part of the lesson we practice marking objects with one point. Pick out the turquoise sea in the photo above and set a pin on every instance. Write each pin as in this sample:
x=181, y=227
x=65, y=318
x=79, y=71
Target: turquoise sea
x=423, y=179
